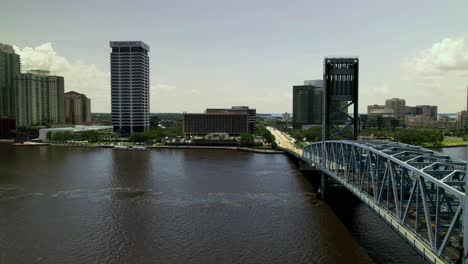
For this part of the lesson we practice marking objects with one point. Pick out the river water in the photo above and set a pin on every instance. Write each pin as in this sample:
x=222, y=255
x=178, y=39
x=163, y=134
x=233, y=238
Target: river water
x=85, y=205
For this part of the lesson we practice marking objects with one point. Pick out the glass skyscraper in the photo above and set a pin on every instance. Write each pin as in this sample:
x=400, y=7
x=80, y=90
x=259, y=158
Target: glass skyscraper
x=307, y=104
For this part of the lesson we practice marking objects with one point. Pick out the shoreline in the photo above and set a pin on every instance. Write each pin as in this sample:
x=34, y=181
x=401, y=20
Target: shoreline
x=447, y=146
x=245, y=149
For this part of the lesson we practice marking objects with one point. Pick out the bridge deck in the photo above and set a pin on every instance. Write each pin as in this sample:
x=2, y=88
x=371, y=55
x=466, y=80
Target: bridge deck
x=420, y=192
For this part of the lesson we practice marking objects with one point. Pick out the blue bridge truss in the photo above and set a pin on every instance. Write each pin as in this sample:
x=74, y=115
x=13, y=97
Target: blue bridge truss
x=419, y=192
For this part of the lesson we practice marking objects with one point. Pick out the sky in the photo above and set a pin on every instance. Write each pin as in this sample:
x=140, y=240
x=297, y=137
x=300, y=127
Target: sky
x=216, y=53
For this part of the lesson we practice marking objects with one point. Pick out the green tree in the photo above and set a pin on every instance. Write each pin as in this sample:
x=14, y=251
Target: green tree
x=247, y=140
x=91, y=136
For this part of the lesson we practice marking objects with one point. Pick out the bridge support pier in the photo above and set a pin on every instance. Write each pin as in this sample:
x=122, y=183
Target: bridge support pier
x=323, y=185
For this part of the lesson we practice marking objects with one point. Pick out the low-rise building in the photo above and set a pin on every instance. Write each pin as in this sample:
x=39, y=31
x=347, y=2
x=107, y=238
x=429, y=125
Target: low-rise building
x=380, y=121
x=233, y=121
x=419, y=121
x=46, y=133
x=427, y=110
x=375, y=108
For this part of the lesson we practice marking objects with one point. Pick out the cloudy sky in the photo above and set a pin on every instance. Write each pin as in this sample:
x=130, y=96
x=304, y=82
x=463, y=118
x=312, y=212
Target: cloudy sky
x=216, y=53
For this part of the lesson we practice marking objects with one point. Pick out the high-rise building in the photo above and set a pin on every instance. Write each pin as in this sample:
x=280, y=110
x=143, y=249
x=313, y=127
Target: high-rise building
x=307, y=104
x=10, y=67
x=130, y=86
x=40, y=99
x=77, y=108
x=397, y=105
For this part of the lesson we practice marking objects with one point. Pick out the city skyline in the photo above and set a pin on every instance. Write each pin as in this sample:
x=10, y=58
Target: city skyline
x=204, y=56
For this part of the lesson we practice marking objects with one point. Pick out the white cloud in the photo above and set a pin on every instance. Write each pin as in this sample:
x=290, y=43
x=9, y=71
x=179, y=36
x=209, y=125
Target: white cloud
x=437, y=75
x=79, y=76
x=448, y=55
x=163, y=88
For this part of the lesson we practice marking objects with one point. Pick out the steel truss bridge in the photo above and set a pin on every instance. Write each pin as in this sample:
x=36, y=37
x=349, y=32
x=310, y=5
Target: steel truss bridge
x=419, y=192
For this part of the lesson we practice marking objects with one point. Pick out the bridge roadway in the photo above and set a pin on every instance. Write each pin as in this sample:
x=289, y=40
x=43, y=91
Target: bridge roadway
x=419, y=192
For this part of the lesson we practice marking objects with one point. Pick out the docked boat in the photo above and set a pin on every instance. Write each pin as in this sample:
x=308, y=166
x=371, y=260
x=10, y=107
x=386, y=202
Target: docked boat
x=121, y=148
x=139, y=148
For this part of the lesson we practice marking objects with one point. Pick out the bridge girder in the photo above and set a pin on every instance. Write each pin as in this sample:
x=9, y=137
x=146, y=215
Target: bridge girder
x=422, y=189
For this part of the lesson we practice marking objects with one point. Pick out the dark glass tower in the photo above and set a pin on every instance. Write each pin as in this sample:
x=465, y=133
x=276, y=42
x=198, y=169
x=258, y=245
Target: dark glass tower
x=307, y=105
x=130, y=86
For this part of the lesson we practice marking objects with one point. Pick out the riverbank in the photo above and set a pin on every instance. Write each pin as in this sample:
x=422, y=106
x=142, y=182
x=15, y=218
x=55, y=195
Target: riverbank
x=264, y=151
x=444, y=146
x=259, y=150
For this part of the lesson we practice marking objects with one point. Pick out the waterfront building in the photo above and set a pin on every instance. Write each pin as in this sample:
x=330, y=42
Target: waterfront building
x=40, y=99
x=130, y=86
x=251, y=114
x=307, y=104
x=10, y=67
x=77, y=108
x=76, y=131
x=233, y=121
x=397, y=105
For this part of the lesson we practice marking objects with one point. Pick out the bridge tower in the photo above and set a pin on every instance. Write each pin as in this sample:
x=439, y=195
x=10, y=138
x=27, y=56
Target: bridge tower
x=340, y=92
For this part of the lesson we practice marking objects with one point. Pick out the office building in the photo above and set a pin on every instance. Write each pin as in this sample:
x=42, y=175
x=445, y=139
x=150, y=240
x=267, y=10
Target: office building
x=10, y=67
x=233, y=121
x=411, y=110
x=427, y=110
x=77, y=108
x=130, y=86
x=380, y=121
x=251, y=113
x=397, y=105
x=40, y=99
x=419, y=121
x=307, y=104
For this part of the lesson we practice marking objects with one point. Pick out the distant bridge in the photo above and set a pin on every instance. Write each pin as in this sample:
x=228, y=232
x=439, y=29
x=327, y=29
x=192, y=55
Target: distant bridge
x=419, y=192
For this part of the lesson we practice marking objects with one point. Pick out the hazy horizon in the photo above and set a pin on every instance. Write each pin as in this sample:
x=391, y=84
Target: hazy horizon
x=218, y=54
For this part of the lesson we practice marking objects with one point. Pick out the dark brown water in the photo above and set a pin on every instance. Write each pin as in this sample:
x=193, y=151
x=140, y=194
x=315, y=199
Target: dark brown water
x=83, y=205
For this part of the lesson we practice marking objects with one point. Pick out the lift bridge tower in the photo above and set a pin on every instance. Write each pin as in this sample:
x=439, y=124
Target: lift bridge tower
x=340, y=93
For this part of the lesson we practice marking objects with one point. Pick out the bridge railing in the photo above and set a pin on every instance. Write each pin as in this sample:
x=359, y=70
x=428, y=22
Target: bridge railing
x=422, y=189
